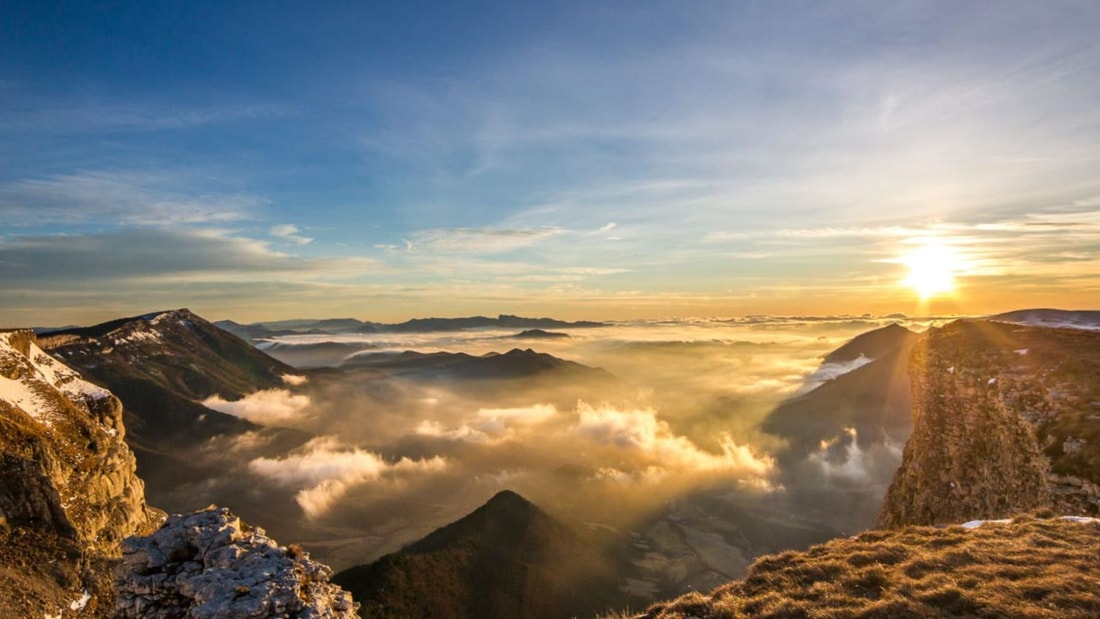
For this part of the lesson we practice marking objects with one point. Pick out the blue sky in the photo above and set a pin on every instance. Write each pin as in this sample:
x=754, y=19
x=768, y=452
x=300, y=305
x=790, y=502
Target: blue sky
x=597, y=160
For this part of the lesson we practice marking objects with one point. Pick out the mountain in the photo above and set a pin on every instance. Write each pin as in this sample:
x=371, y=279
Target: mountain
x=335, y=326
x=1089, y=319
x=162, y=366
x=68, y=492
x=1005, y=422
x=515, y=363
x=503, y=321
x=874, y=344
x=539, y=334
x=312, y=355
x=873, y=399
x=1022, y=568
x=508, y=558
x=251, y=332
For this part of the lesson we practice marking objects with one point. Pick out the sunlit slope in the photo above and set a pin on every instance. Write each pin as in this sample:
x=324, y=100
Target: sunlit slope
x=1027, y=568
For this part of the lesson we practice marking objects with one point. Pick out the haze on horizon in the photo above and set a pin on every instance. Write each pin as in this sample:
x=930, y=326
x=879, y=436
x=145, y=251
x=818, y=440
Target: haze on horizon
x=271, y=160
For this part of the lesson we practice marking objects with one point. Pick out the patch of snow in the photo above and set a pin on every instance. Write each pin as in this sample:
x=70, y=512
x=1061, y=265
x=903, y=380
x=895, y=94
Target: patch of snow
x=830, y=371
x=1080, y=519
x=64, y=378
x=974, y=524
x=31, y=393
x=135, y=337
x=991, y=381
x=79, y=605
x=20, y=395
x=951, y=370
x=1021, y=352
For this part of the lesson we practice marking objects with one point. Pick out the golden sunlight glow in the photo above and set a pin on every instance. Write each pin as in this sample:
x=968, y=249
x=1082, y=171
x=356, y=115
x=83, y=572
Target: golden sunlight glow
x=932, y=268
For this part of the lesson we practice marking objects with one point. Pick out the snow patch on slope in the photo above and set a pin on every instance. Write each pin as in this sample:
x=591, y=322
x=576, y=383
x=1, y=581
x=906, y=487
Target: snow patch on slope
x=39, y=379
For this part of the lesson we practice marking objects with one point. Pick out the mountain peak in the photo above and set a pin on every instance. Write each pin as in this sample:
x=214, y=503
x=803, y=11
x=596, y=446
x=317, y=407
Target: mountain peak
x=508, y=500
x=506, y=516
x=873, y=344
x=507, y=558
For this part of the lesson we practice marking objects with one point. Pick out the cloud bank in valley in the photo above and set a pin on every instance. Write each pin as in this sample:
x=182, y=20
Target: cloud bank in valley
x=676, y=412
x=325, y=469
x=267, y=407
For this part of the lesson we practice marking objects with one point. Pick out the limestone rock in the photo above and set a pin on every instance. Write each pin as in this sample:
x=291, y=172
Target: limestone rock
x=64, y=463
x=69, y=494
x=971, y=455
x=210, y=565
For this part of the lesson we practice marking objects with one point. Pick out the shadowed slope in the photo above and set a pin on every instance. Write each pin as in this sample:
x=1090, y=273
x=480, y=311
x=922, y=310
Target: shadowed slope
x=508, y=558
x=873, y=399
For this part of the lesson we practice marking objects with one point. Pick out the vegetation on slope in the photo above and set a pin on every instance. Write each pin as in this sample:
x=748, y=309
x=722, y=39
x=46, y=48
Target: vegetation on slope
x=506, y=559
x=1026, y=568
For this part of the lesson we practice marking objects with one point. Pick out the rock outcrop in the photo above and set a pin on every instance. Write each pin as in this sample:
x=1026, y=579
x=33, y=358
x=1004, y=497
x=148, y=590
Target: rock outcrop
x=210, y=565
x=972, y=453
x=69, y=494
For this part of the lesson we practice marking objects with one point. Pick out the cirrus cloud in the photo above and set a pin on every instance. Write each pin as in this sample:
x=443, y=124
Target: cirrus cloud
x=479, y=240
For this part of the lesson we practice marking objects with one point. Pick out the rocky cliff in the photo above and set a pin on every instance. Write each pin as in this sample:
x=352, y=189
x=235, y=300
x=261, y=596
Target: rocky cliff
x=1004, y=422
x=67, y=481
x=209, y=564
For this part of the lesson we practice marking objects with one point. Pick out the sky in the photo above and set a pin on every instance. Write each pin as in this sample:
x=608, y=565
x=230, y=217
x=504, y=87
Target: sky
x=266, y=160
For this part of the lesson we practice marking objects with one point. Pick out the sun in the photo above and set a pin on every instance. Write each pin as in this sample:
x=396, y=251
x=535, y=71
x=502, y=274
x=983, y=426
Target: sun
x=932, y=269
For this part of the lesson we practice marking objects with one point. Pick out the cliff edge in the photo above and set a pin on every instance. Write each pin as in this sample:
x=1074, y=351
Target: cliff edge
x=69, y=494
x=971, y=454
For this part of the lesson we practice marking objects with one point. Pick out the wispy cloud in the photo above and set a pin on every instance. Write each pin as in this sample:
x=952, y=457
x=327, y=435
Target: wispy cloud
x=479, y=240
x=290, y=233
x=163, y=255
x=127, y=198
x=60, y=116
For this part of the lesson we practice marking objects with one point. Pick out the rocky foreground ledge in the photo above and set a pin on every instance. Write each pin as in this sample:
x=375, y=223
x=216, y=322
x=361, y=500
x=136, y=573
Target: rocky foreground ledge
x=211, y=565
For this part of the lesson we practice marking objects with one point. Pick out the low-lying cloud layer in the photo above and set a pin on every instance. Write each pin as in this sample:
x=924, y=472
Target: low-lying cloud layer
x=267, y=407
x=325, y=469
x=641, y=432
x=675, y=412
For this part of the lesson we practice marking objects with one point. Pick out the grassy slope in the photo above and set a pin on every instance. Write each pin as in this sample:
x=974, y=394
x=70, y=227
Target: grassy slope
x=1029, y=568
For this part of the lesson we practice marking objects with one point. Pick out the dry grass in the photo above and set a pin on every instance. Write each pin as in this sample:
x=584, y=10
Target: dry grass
x=1029, y=568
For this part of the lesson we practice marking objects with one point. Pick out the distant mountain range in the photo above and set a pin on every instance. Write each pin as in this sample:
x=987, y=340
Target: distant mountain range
x=261, y=330
x=1087, y=319
x=515, y=363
